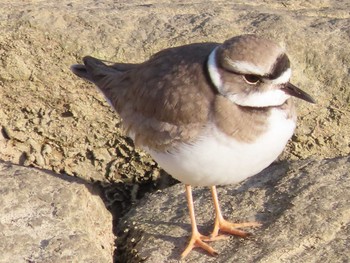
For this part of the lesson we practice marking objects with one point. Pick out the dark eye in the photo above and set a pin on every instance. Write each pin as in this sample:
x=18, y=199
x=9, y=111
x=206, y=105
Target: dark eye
x=251, y=79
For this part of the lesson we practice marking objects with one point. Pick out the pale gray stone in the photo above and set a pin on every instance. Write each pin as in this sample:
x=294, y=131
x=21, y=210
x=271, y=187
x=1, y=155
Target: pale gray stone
x=42, y=100
x=45, y=217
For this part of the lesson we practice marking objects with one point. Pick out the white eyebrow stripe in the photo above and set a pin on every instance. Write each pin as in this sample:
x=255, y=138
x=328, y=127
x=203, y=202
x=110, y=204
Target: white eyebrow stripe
x=283, y=78
x=245, y=67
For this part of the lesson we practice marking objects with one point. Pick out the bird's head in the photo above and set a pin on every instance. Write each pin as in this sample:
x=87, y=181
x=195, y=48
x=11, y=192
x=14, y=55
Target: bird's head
x=253, y=72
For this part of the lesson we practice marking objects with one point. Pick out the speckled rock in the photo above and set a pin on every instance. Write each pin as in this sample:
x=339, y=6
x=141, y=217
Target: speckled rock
x=50, y=119
x=45, y=217
x=303, y=206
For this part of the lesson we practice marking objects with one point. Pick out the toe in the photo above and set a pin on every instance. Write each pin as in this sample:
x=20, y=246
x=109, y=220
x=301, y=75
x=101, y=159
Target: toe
x=197, y=241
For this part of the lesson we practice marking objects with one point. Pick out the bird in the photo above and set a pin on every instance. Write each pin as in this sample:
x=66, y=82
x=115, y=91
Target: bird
x=208, y=113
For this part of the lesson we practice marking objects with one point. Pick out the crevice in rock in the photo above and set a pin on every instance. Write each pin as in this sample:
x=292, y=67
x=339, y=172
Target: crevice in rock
x=119, y=199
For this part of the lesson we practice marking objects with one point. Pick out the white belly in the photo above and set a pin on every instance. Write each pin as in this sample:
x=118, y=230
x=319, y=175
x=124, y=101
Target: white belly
x=217, y=159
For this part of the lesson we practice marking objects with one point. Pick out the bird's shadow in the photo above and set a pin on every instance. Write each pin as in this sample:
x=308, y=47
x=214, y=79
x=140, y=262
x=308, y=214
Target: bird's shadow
x=62, y=176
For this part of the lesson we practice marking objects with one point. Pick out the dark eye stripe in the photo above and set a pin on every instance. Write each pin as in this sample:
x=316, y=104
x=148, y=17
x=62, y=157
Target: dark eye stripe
x=281, y=65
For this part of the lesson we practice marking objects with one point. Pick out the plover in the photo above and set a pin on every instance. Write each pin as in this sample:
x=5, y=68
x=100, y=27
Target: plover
x=209, y=114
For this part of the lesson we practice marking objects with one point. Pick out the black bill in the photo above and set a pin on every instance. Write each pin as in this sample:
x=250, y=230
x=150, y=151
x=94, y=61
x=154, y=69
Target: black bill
x=292, y=90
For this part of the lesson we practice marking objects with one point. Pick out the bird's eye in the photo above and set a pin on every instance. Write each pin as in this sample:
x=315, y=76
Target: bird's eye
x=251, y=79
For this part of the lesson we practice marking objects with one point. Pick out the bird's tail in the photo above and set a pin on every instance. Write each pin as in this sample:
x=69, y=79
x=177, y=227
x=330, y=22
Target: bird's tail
x=93, y=69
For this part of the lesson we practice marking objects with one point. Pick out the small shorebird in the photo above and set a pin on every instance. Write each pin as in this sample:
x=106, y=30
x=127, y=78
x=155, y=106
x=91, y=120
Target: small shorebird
x=210, y=114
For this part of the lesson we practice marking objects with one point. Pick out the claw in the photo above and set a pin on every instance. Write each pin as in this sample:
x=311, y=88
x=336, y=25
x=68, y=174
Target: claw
x=221, y=225
x=197, y=241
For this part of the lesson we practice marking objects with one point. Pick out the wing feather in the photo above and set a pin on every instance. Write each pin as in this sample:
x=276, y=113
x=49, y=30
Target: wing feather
x=162, y=101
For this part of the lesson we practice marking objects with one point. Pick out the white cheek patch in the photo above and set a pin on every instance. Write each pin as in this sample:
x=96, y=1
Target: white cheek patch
x=267, y=98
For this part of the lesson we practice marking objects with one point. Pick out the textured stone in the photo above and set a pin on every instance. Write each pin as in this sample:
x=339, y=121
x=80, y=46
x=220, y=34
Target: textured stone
x=45, y=217
x=43, y=101
x=303, y=206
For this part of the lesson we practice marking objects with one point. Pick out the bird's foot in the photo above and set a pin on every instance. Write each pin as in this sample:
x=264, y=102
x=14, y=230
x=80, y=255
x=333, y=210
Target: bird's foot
x=197, y=241
x=227, y=227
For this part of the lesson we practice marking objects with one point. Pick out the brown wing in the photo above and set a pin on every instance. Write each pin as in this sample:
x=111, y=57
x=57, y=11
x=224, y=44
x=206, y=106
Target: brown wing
x=163, y=100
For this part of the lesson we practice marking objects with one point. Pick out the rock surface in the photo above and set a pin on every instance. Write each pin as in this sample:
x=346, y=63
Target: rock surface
x=51, y=218
x=52, y=120
x=303, y=206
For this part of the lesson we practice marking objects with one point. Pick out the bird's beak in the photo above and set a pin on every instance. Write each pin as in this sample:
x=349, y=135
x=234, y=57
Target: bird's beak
x=292, y=90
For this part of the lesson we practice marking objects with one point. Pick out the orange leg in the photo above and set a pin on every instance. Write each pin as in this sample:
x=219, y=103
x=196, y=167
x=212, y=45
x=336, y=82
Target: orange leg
x=224, y=226
x=196, y=238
